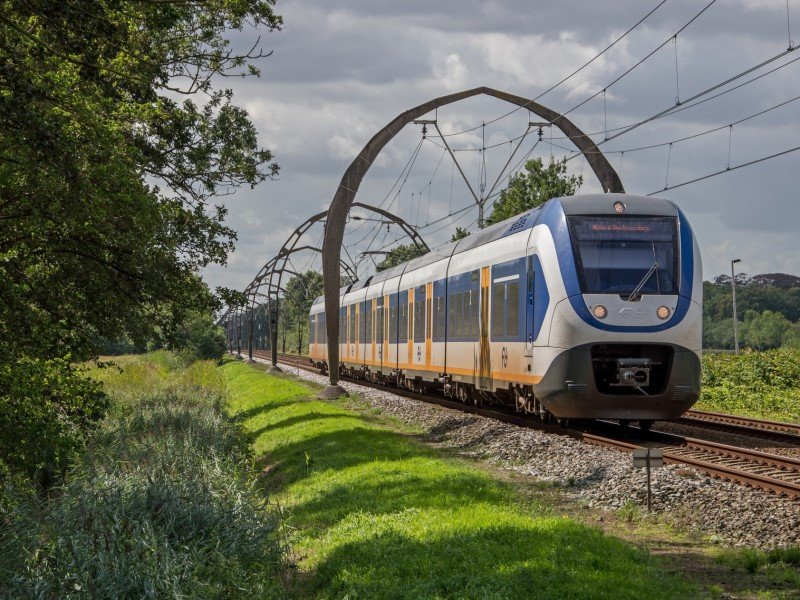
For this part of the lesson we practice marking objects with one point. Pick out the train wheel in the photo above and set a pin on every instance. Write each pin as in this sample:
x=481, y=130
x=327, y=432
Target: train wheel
x=624, y=422
x=645, y=424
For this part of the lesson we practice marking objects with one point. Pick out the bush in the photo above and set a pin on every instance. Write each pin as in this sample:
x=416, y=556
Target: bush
x=47, y=408
x=199, y=338
x=763, y=384
x=163, y=505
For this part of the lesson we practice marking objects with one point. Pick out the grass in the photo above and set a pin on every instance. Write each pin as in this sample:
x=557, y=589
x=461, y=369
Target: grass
x=163, y=504
x=377, y=514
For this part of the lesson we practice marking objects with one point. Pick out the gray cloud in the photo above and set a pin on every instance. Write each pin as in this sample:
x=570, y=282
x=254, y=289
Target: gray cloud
x=339, y=73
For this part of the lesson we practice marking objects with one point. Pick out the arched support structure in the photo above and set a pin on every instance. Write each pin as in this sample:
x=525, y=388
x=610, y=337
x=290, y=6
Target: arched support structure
x=271, y=274
x=351, y=180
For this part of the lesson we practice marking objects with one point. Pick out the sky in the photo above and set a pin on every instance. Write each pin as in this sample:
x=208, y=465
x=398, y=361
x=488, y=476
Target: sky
x=339, y=72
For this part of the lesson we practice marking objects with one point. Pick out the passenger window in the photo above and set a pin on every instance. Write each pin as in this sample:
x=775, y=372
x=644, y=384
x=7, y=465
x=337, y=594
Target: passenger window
x=393, y=324
x=368, y=317
x=473, y=321
x=498, y=301
x=403, y=325
x=419, y=318
x=512, y=311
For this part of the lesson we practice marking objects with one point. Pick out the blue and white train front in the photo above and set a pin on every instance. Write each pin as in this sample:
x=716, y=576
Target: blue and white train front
x=624, y=335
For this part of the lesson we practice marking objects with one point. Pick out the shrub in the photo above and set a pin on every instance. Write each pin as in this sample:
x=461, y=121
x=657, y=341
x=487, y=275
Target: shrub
x=765, y=384
x=199, y=338
x=162, y=505
x=47, y=408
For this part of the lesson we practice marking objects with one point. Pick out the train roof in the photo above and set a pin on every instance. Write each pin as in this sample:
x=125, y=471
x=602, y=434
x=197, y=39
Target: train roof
x=583, y=204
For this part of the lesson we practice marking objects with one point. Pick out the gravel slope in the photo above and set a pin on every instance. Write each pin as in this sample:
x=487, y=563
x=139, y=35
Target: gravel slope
x=598, y=476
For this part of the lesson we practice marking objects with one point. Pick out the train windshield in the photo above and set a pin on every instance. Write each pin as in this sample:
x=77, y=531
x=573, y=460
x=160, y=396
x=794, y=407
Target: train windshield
x=627, y=255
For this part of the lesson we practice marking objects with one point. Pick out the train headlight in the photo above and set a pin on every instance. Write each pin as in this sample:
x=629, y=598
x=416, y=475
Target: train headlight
x=600, y=311
x=662, y=312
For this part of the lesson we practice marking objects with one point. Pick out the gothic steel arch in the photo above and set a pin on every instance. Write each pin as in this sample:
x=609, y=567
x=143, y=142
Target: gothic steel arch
x=271, y=275
x=351, y=180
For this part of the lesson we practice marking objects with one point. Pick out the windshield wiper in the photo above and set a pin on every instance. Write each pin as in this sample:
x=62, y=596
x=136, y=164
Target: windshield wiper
x=637, y=291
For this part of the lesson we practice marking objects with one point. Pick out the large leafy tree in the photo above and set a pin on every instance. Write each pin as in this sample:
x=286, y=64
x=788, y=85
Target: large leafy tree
x=532, y=187
x=301, y=291
x=114, y=143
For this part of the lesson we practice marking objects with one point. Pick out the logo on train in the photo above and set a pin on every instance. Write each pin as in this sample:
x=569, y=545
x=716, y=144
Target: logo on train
x=504, y=356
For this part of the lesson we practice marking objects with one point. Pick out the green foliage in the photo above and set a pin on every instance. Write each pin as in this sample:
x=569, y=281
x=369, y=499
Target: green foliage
x=752, y=560
x=376, y=514
x=398, y=255
x=199, y=338
x=533, y=187
x=760, y=384
x=109, y=168
x=460, y=234
x=163, y=506
x=47, y=409
x=772, y=302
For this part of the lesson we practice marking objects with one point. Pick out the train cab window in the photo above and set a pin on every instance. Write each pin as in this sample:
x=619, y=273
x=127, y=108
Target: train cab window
x=312, y=329
x=342, y=325
x=322, y=337
x=419, y=314
x=617, y=255
x=352, y=329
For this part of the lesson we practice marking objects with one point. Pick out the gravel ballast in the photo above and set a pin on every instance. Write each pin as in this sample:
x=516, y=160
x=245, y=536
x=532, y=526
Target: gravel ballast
x=596, y=476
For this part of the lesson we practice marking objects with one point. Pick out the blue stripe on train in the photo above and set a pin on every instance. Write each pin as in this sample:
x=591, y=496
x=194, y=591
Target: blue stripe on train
x=554, y=218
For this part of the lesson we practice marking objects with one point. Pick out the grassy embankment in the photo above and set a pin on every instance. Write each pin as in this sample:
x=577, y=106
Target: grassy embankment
x=375, y=513
x=163, y=504
x=758, y=384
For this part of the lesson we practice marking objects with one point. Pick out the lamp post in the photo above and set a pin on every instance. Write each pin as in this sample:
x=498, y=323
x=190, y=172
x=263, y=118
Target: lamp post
x=735, y=318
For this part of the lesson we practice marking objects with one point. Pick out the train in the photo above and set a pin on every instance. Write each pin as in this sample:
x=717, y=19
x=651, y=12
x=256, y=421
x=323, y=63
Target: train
x=587, y=307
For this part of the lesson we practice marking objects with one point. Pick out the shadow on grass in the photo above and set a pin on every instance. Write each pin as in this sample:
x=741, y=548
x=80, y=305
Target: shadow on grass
x=555, y=559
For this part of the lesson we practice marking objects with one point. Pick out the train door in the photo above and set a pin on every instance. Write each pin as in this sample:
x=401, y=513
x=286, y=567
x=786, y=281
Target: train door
x=428, y=325
x=380, y=333
x=484, y=349
x=529, y=307
x=419, y=353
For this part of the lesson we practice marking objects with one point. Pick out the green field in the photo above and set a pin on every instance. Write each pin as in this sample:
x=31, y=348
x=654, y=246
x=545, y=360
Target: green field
x=373, y=513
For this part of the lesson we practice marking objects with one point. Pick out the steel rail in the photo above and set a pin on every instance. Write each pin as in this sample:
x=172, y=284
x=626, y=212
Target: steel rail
x=750, y=468
x=748, y=425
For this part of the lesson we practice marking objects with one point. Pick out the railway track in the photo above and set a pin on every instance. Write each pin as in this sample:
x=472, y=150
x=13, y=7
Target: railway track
x=752, y=468
x=784, y=433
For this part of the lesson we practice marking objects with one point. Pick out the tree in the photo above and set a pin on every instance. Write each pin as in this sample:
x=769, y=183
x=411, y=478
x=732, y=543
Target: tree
x=301, y=291
x=533, y=187
x=764, y=330
x=460, y=234
x=115, y=142
x=398, y=255
x=199, y=338
x=109, y=168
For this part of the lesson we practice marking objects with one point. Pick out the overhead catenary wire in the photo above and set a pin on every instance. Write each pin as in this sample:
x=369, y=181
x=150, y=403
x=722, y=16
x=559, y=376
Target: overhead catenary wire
x=568, y=77
x=726, y=170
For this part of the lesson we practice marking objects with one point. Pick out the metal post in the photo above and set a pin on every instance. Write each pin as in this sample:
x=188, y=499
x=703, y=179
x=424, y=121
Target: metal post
x=250, y=338
x=648, y=480
x=273, y=325
x=352, y=177
x=735, y=317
